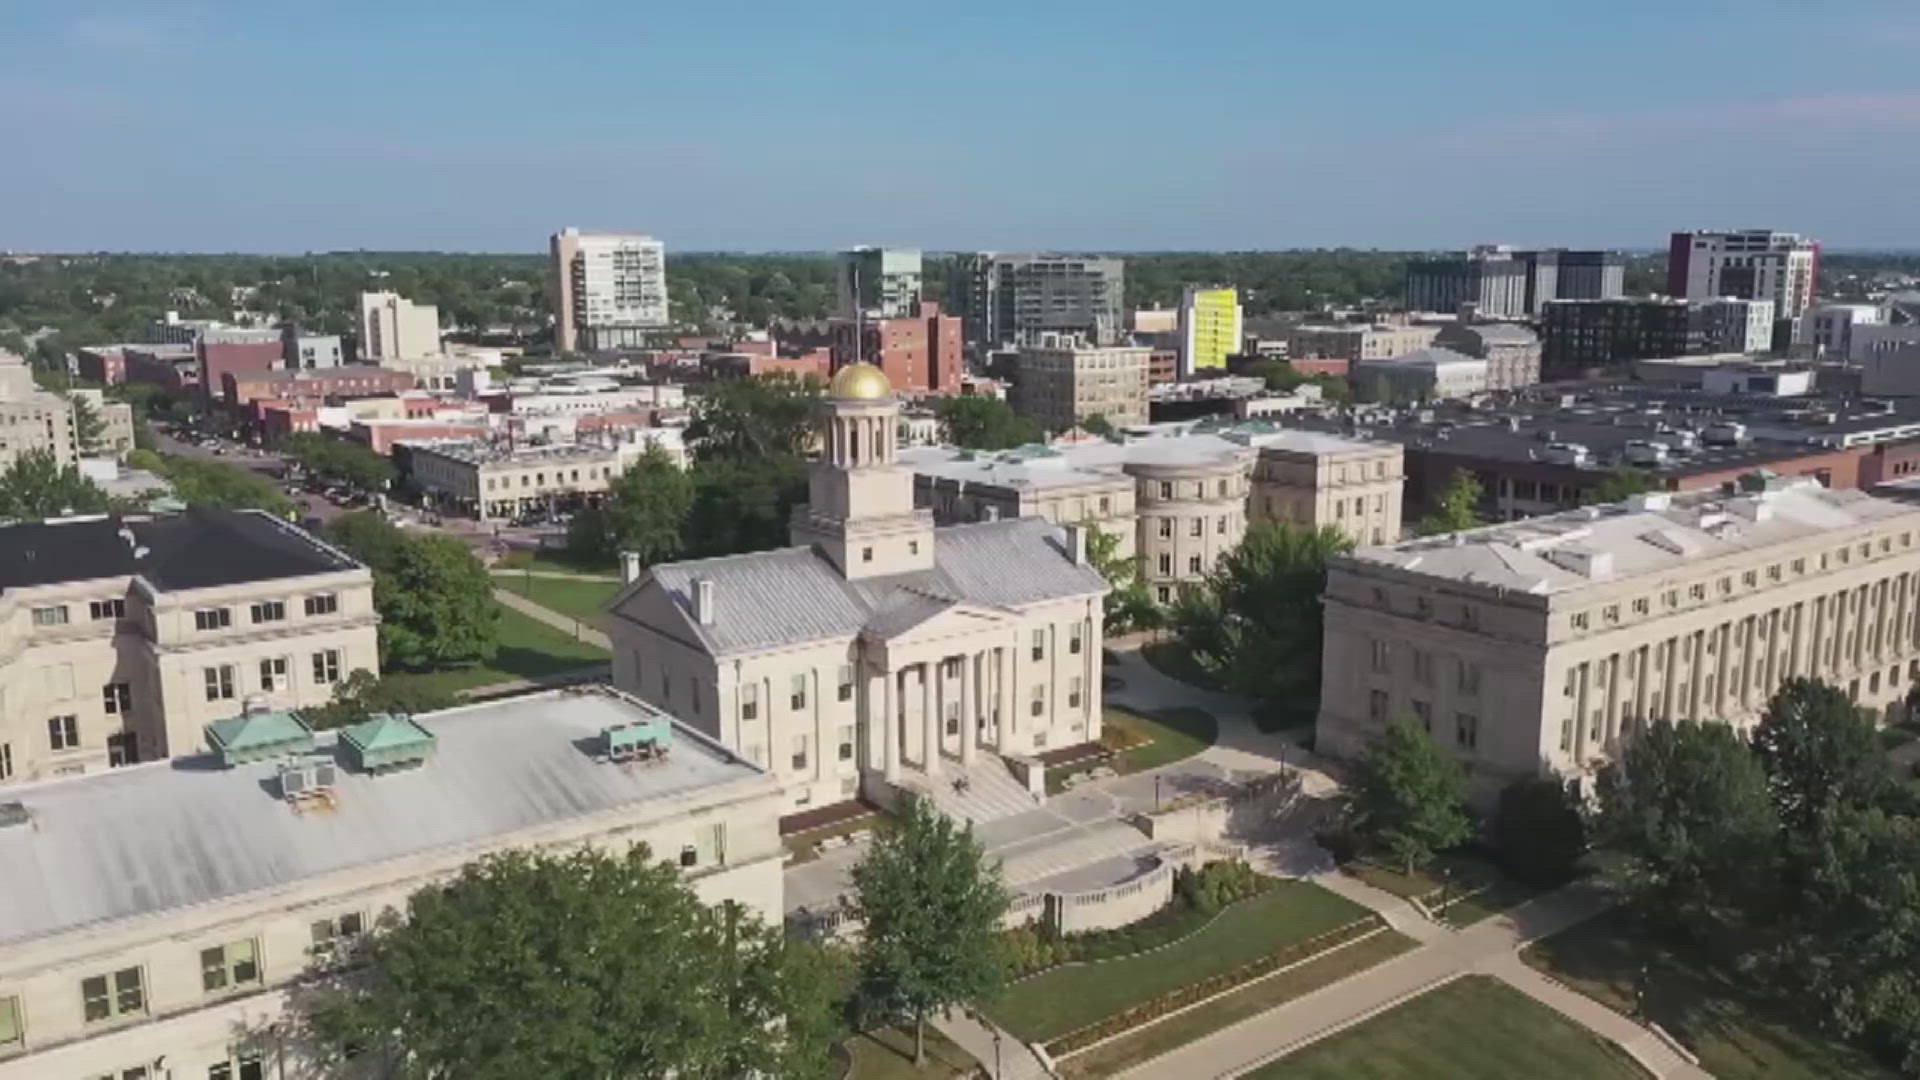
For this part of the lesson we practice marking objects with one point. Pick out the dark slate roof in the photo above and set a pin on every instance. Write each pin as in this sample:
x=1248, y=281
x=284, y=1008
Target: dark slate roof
x=198, y=549
x=793, y=595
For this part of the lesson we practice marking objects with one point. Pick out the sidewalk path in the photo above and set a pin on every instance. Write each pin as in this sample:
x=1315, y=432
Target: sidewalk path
x=563, y=575
x=1487, y=947
x=564, y=623
x=976, y=1036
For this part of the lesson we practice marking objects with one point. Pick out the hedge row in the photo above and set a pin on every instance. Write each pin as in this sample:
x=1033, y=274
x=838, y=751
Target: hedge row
x=1154, y=1008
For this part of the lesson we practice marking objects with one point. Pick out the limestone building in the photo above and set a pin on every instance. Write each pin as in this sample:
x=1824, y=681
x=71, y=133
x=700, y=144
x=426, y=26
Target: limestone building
x=1064, y=380
x=879, y=652
x=1540, y=645
x=172, y=908
x=124, y=636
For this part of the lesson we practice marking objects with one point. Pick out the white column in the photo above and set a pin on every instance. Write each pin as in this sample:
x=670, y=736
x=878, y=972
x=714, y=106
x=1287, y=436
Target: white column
x=929, y=718
x=969, y=723
x=890, y=720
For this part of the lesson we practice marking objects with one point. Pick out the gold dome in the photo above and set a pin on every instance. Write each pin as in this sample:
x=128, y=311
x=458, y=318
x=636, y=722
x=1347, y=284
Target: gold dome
x=859, y=381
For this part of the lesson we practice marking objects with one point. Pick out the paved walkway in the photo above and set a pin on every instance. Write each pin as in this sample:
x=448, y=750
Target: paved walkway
x=563, y=575
x=1488, y=947
x=1000, y=1052
x=566, y=624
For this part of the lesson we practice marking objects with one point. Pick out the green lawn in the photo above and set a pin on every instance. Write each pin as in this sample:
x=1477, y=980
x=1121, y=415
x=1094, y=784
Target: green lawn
x=1154, y=1039
x=1475, y=1026
x=1050, y=1005
x=1474, y=889
x=528, y=649
x=559, y=561
x=1737, y=1035
x=1159, y=739
x=887, y=1054
x=580, y=599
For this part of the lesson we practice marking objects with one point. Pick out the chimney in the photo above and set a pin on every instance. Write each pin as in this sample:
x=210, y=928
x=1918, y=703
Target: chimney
x=1077, y=544
x=629, y=567
x=703, y=601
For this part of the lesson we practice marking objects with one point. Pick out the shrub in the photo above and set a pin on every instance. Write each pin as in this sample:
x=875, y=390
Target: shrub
x=1539, y=832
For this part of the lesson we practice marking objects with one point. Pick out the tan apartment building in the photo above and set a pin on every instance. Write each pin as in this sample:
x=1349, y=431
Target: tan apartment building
x=1541, y=645
x=493, y=482
x=393, y=327
x=1354, y=342
x=1178, y=495
x=174, y=908
x=123, y=637
x=1064, y=380
x=880, y=654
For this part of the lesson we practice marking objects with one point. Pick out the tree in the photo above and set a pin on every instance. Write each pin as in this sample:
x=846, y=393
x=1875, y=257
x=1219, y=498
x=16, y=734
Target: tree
x=1819, y=750
x=1097, y=424
x=753, y=419
x=1457, y=508
x=742, y=505
x=1279, y=375
x=644, y=511
x=35, y=487
x=983, y=423
x=198, y=482
x=582, y=964
x=1623, y=483
x=1256, y=620
x=434, y=598
x=362, y=694
x=930, y=909
x=1129, y=605
x=88, y=429
x=1540, y=832
x=336, y=459
x=1685, y=808
x=1410, y=797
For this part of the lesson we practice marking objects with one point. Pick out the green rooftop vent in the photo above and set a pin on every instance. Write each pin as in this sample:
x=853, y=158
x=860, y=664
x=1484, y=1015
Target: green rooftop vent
x=258, y=736
x=385, y=742
x=638, y=739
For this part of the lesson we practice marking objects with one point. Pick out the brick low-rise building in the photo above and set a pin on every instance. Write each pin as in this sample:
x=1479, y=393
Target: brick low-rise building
x=351, y=381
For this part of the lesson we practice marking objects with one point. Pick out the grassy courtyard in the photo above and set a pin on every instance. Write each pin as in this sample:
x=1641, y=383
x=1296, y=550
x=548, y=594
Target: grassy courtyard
x=887, y=1054
x=1170, y=658
x=528, y=649
x=1143, y=741
x=1737, y=1035
x=1474, y=1026
x=1052, y=1004
x=578, y=599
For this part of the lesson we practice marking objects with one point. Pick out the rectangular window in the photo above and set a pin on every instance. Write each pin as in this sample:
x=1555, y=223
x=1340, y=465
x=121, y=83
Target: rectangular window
x=1039, y=644
x=1166, y=564
x=1469, y=677
x=1423, y=667
x=749, y=701
x=1423, y=712
x=846, y=744
x=273, y=674
x=1379, y=655
x=268, y=611
x=797, y=695
x=1376, y=705
x=219, y=682
x=1039, y=705
x=107, y=609
x=1166, y=528
x=1466, y=730
x=845, y=691
x=6, y=760
x=63, y=732
x=326, y=666
x=1073, y=639
x=1073, y=692
x=243, y=1065
x=799, y=751
x=103, y=997
x=330, y=934
x=55, y=615
x=13, y=1034
x=117, y=698
x=226, y=967
x=1196, y=527
x=1166, y=489
x=323, y=604
x=212, y=619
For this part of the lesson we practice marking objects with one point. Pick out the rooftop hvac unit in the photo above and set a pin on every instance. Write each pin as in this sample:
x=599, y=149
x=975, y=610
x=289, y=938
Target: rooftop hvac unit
x=309, y=779
x=14, y=813
x=637, y=740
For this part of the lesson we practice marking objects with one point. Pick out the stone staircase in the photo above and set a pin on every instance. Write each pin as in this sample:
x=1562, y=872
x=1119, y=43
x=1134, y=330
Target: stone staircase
x=990, y=791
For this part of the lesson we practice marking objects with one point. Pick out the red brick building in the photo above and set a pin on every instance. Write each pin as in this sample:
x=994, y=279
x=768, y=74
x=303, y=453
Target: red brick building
x=921, y=352
x=380, y=435
x=171, y=367
x=103, y=364
x=1313, y=365
x=218, y=360
x=239, y=388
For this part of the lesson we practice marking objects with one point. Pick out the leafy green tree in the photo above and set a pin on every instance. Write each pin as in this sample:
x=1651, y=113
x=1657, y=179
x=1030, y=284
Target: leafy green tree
x=582, y=964
x=983, y=423
x=1685, y=810
x=645, y=511
x=1457, y=508
x=1278, y=374
x=337, y=459
x=1097, y=424
x=755, y=419
x=35, y=487
x=1540, y=832
x=742, y=505
x=88, y=429
x=1333, y=389
x=1256, y=620
x=1623, y=483
x=930, y=908
x=1410, y=797
x=198, y=482
x=435, y=599
x=1819, y=751
x=1130, y=605
x=362, y=694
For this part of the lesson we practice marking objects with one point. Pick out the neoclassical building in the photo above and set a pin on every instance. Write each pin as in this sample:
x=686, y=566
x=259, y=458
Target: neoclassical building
x=879, y=651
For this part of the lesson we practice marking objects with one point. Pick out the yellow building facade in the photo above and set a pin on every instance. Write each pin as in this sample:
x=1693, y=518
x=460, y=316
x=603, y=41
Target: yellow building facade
x=1209, y=329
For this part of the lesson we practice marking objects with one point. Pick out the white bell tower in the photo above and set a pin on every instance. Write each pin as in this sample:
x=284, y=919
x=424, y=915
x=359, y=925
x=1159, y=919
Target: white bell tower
x=860, y=510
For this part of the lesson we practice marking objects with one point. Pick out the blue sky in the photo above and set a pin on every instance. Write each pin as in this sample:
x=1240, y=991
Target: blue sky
x=270, y=126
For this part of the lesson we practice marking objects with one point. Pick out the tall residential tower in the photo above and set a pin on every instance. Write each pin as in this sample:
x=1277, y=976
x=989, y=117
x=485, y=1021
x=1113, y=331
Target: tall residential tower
x=609, y=289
